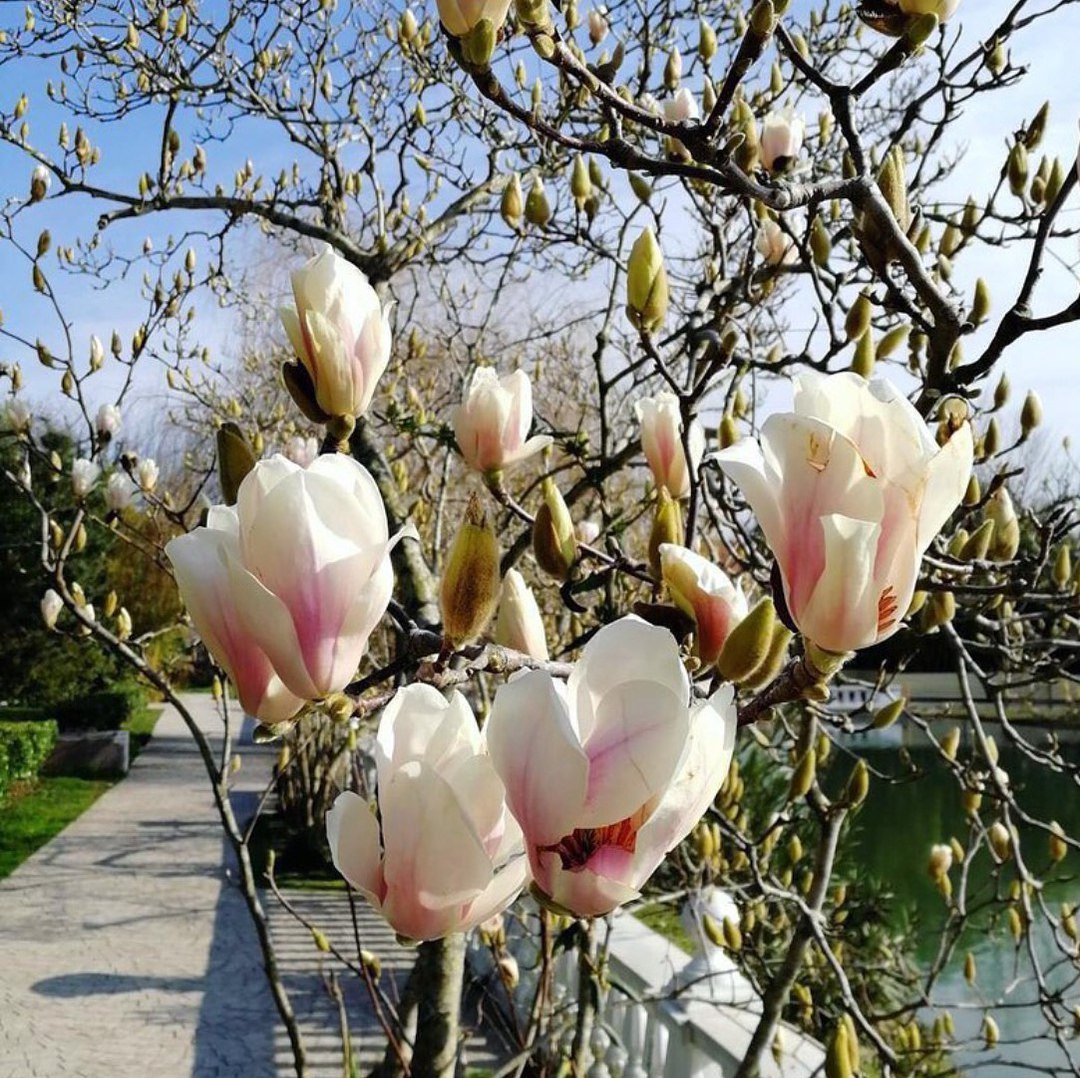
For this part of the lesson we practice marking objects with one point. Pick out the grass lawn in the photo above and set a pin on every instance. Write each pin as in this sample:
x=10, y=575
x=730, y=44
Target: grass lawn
x=34, y=812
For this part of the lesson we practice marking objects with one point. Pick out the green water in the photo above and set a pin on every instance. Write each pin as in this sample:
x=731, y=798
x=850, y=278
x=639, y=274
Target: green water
x=895, y=830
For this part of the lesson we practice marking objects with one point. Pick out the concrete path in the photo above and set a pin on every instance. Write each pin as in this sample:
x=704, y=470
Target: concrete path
x=126, y=949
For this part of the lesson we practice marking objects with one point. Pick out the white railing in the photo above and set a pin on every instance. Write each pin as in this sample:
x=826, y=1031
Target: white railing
x=667, y=1014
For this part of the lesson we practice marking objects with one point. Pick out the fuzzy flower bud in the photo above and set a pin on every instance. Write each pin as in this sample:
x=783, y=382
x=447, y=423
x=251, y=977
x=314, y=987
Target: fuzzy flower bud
x=470, y=583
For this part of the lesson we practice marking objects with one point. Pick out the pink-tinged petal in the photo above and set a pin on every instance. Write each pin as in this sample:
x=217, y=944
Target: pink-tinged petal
x=701, y=773
x=433, y=861
x=266, y=619
x=499, y=894
x=537, y=755
x=640, y=731
x=946, y=481
x=334, y=389
x=536, y=444
x=371, y=354
x=293, y=330
x=199, y=562
x=626, y=650
x=745, y=465
x=823, y=475
x=365, y=521
x=353, y=834
x=842, y=614
x=582, y=891
x=519, y=416
x=890, y=434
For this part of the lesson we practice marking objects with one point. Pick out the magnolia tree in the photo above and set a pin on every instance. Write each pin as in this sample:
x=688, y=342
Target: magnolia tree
x=557, y=582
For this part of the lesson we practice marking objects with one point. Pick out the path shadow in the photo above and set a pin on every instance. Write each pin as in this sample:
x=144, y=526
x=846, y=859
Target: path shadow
x=74, y=985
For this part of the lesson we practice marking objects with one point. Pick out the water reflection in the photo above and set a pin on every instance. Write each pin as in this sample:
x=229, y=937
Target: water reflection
x=895, y=829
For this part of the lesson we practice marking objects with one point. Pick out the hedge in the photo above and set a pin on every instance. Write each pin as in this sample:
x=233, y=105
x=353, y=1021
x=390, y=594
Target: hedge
x=24, y=747
x=106, y=710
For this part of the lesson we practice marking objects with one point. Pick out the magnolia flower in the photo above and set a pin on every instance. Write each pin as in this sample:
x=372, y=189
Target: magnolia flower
x=297, y=572
x=943, y=9
x=781, y=139
x=460, y=16
x=84, y=474
x=520, y=625
x=108, y=421
x=609, y=772
x=97, y=353
x=443, y=854
x=40, y=182
x=941, y=860
x=661, y=439
x=302, y=450
x=705, y=593
x=850, y=489
x=51, y=605
x=118, y=491
x=23, y=476
x=598, y=26
x=774, y=244
x=339, y=331
x=492, y=422
x=147, y=475
x=17, y=416
x=682, y=108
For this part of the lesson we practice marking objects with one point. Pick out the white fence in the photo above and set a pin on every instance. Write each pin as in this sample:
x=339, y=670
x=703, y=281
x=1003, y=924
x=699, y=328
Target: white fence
x=670, y=1015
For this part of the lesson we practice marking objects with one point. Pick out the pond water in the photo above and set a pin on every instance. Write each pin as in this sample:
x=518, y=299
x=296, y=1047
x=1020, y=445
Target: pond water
x=895, y=829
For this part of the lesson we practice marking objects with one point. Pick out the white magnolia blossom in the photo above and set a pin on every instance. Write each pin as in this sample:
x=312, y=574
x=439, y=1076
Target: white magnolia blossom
x=520, y=624
x=610, y=771
x=84, y=475
x=118, y=492
x=774, y=244
x=51, y=605
x=781, y=139
x=146, y=474
x=17, y=416
x=681, y=108
x=108, y=421
x=460, y=16
x=850, y=490
x=297, y=572
x=662, y=442
x=443, y=854
x=493, y=420
x=340, y=332
x=598, y=26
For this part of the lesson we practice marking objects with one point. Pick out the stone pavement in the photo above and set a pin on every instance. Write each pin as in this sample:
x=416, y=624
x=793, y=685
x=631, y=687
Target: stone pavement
x=126, y=949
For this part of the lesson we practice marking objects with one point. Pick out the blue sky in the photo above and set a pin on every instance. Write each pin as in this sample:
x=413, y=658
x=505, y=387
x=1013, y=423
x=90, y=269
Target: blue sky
x=1047, y=362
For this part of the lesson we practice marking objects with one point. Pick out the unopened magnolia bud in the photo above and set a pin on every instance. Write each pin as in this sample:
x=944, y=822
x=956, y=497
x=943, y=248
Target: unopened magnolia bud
x=667, y=528
x=858, y=317
x=978, y=544
x=820, y=243
x=980, y=307
x=1017, y=169
x=40, y=180
x=748, y=644
x=235, y=460
x=1037, y=128
x=1063, y=566
x=51, y=605
x=1031, y=414
x=940, y=610
x=991, y=1033
x=1058, y=847
x=123, y=624
x=858, y=785
x=512, y=205
x=862, y=363
x=646, y=283
x=1006, y=540
x=470, y=583
x=802, y=779
x=837, y=1056
x=770, y=669
x=537, y=207
x=941, y=860
x=554, y=541
x=727, y=433
x=673, y=70
x=706, y=41
x=1000, y=840
x=886, y=716
x=580, y=182
x=640, y=186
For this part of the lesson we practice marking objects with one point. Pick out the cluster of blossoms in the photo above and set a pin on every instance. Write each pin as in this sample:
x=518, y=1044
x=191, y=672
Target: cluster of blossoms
x=575, y=788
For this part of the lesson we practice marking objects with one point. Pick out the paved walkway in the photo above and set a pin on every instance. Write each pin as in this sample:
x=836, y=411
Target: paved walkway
x=126, y=949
